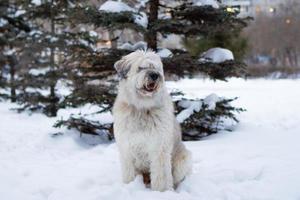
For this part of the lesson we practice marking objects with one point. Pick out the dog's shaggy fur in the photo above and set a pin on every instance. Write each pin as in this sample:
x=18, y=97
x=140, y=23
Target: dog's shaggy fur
x=146, y=131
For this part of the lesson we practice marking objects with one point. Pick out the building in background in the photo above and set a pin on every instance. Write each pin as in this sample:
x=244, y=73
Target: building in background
x=256, y=7
x=245, y=7
x=268, y=7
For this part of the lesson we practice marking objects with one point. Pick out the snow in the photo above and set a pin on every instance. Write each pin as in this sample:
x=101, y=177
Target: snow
x=53, y=39
x=212, y=3
x=164, y=53
x=141, y=19
x=84, y=42
x=191, y=106
x=140, y=45
x=41, y=71
x=126, y=46
x=211, y=101
x=41, y=91
x=216, y=55
x=172, y=41
x=116, y=7
x=19, y=12
x=35, y=32
x=63, y=88
x=36, y=2
x=3, y=22
x=93, y=33
x=88, y=111
x=136, y=46
x=259, y=160
x=141, y=4
x=9, y=52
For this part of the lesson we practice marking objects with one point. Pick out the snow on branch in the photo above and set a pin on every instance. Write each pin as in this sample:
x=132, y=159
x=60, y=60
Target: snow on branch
x=207, y=116
x=140, y=18
x=216, y=55
x=212, y=3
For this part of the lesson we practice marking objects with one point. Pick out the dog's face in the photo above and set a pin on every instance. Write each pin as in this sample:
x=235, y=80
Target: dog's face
x=141, y=73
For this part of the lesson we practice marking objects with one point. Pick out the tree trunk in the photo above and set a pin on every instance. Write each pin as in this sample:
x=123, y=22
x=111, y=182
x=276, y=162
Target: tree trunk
x=12, y=72
x=1, y=75
x=53, y=108
x=12, y=61
x=151, y=35
x=114, y=43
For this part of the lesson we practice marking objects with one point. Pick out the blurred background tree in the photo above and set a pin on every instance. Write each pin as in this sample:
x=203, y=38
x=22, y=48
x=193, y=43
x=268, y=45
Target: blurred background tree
x=234, y=41
x=13, y=30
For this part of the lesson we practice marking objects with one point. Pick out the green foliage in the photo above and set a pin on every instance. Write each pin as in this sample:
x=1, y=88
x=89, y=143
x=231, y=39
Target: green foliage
x=187, y=65
x=84, y=126
x=233, y=41
x=200, y=124
x=92, y=16
x=60, y=47
x=208, y=121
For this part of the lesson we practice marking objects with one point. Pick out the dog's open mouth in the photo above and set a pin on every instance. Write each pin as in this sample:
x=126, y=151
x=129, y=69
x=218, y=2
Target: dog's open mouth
x=150, y=87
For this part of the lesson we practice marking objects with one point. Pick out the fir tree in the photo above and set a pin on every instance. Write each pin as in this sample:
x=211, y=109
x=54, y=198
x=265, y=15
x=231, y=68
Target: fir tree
x=63, y=44
x=43, y=53
x=13, y=30
x=184, y=18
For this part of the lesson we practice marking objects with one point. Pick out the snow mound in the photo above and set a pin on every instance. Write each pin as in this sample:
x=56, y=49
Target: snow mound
x=212, y=3
x=216, y=55
x=114, y=6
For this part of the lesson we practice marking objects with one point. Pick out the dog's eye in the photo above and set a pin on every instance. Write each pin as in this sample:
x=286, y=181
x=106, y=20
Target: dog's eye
x=140, y=69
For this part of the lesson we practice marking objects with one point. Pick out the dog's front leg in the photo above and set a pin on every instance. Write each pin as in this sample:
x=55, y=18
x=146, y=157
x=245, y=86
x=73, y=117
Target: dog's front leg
x=161, y=172
x=128, y=169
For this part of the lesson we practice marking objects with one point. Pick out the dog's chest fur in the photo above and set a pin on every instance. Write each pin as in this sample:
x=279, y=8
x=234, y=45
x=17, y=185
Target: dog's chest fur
x=146, y=131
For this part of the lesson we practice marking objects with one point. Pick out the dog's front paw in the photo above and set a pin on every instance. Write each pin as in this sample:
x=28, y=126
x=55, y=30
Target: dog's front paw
x=128, y=175
x=128, y=179
x=161, y=185
x=162, y=182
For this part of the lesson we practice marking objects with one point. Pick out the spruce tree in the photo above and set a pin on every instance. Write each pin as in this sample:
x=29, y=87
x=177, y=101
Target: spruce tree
x=13, y=30
x=44, y=51
x=94, y=79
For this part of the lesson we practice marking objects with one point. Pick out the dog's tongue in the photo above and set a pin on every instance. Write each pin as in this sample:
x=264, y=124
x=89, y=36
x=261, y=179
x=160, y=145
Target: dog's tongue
x=151, y=86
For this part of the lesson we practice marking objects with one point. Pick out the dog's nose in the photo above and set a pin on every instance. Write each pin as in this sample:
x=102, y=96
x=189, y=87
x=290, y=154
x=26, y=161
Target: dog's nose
x=154, y=76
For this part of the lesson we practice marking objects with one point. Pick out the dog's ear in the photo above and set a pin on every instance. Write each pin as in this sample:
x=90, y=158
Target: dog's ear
x=122, y=67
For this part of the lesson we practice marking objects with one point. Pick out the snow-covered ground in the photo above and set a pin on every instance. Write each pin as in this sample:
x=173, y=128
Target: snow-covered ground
x=259, y=160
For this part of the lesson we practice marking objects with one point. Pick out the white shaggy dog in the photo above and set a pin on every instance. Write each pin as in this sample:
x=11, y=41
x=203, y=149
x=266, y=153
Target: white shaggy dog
x=146, y=131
